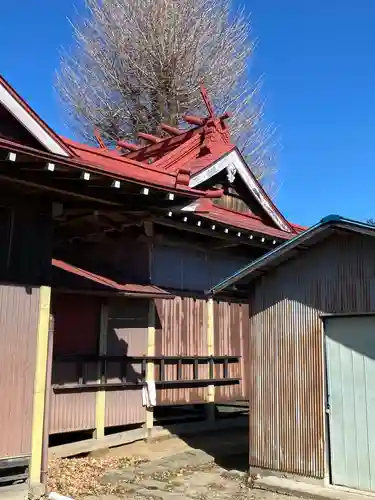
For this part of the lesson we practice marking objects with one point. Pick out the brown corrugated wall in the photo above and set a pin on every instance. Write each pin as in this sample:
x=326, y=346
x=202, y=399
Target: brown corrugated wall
x=77, y=324
x=127, y=334
x=19, y=310
x=181, y=330
x=286, y=349
x=231, y=331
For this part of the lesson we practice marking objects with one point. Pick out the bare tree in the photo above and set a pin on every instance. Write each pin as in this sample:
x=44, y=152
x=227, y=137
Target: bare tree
x=137, y=63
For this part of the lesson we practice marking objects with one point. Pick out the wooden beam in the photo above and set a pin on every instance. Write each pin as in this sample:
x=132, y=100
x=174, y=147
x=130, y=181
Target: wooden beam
x=104, y=225
x=210, y=407
x=40, y=384
x=51, y=188
x=74, y=220
x=150, y=371
x=171, y=130
x=100, y=394
x=96, y=188
x=150, y=138
x=148, y=228
x=225, y=244
x=99, y=139
x=183, y=226
x=194, y=120
x=165, y=146
x=128, y=145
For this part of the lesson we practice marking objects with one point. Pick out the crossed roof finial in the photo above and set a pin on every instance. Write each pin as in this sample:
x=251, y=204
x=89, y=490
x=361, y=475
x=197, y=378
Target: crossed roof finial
x=207, y=101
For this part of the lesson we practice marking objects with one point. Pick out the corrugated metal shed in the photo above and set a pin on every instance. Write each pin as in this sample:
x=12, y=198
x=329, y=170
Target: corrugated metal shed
x=286, y=365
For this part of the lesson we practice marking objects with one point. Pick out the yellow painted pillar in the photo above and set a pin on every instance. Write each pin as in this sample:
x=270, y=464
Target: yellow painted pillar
x=210, y=413
x=100, y=394
x=150, y=370
x=40, y=384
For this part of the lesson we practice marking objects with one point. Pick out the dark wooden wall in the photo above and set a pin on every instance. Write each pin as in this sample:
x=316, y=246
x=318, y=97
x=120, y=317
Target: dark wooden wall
x=124, y=260
x=26, y=244
x=191, y=270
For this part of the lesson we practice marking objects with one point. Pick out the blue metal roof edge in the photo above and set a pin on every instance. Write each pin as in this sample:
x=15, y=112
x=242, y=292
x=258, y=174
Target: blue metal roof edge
x=329, y=220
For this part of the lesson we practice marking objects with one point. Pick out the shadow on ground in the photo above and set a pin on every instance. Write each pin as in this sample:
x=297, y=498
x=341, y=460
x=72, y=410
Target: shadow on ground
x=229, y=446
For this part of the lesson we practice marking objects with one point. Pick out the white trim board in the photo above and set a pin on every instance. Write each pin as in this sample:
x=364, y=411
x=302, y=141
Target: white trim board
x=29, y=122
x=232, y=162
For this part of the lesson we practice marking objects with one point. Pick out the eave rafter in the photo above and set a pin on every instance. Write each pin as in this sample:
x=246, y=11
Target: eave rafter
x=93, y=225
x=216, y=230
x=43, y=172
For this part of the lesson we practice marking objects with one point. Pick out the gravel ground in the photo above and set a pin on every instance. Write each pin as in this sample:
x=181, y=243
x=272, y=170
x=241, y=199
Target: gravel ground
x=189, y=474
x=171, y=469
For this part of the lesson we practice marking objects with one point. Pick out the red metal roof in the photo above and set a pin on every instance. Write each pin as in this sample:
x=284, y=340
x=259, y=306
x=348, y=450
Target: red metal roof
x=176, y=183
x=111, y=161
x=108, y=162
x=174, y=160
x=249, y=222
x=127, y=289
x=197, y=149
x=193, y=149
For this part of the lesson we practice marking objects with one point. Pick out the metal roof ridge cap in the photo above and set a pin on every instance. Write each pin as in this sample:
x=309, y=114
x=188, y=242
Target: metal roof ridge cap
x=329, y=220
x=254, y=264
x=107, y=154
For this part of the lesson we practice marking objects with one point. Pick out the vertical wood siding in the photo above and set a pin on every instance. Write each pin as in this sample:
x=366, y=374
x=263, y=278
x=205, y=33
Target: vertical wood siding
x=191, y=270
x=181, y=330
x=231, y=331
x=77, y=324
x=286, y=349
x=127, y=335
x=19, y=310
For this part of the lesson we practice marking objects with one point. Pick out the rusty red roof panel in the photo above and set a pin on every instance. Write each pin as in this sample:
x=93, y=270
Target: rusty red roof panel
x=128, y=289
x=239, y=220
x=112, y=161
x=71, y=153
x=176, y=183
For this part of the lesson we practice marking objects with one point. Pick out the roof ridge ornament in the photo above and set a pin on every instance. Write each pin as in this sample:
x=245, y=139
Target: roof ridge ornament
x=231, y=173
x=207, y=101
x=99, y=139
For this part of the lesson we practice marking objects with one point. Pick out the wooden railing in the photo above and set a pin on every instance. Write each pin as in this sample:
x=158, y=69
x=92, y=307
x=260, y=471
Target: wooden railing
x=160, y=362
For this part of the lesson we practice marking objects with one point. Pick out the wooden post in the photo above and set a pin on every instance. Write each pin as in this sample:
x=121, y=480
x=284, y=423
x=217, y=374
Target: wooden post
x=150, y=370
x=100, y=395
x=210, y=407
x=40, y=384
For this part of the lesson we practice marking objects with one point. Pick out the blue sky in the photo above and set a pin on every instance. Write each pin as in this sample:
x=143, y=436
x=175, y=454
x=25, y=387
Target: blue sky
x=317, y=60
